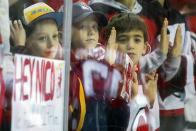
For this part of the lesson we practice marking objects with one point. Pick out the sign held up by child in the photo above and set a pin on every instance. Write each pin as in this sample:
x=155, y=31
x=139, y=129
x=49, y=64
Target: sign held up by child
x=37, y=94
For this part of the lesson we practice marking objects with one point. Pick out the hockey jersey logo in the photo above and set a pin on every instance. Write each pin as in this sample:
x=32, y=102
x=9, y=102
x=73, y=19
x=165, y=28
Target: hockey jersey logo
x=141, y=122
x=98, y=78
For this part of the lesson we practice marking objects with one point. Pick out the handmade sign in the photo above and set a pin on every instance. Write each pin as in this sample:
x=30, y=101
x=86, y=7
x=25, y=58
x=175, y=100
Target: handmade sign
x=37, y=102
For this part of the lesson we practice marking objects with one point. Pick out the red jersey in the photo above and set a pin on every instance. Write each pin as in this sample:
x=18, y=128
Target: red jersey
x=190, y=19
x=96, y=84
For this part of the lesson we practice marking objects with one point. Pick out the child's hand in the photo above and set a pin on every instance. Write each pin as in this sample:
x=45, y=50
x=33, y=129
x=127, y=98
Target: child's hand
x=134, y=90
x=150, y=89
x=112, y=39
x=18, y=33
x=111, y=47
x=164, y=42
x=176, y=49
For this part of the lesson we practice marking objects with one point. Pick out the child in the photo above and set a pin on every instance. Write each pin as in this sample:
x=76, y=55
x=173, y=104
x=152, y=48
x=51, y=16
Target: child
x=86, y=24
x=40, y=37
x=131, y=38
x=86, y=100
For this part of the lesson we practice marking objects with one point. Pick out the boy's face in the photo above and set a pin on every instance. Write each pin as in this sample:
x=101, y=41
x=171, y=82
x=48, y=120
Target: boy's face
x=44, y=39
x=132, y=43
x=85, y=33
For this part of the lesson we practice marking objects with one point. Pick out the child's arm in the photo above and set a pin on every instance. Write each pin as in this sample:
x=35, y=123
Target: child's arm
x=152, y=61
x=173, y=73
x=172, y=63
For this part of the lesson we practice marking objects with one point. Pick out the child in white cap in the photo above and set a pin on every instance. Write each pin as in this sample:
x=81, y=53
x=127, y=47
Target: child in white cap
x=40, y=37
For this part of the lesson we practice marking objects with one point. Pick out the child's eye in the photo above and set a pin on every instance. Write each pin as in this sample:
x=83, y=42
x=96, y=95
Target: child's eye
x=42, y=38
x=83, y=27
x=55, y=36
x=122, y=39
x=137, y=40
x=95, y=27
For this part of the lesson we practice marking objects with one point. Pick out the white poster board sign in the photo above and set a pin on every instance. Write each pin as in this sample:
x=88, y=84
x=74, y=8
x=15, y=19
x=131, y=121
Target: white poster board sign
x=37, y=103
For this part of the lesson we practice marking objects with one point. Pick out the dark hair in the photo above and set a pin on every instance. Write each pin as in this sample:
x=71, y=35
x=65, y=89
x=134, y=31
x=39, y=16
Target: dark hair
x=125, y=22
x=29, y=29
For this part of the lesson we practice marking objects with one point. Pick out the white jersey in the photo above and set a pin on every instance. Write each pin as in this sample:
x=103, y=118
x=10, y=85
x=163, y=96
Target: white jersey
x=141, y=113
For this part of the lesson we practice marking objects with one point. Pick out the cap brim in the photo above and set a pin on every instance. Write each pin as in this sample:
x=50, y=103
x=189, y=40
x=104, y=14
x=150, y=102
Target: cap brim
x=102, y=20
x=57, y=16
x=106, y=7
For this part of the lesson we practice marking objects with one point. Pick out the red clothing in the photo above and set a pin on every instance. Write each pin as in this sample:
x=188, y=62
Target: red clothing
x=178, y=4
x=96, y=84
x=190, y=19
x=55, y=4
x=86, y=1
x=2, y=93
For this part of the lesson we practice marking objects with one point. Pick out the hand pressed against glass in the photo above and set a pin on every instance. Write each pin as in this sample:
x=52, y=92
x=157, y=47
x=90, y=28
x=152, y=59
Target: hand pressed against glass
x=177, y=48
x=18, y=33
x=85, y=33
x=164, y=42
x=150, y=89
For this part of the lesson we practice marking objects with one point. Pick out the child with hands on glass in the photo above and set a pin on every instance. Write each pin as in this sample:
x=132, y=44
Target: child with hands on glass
x=130, y=36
